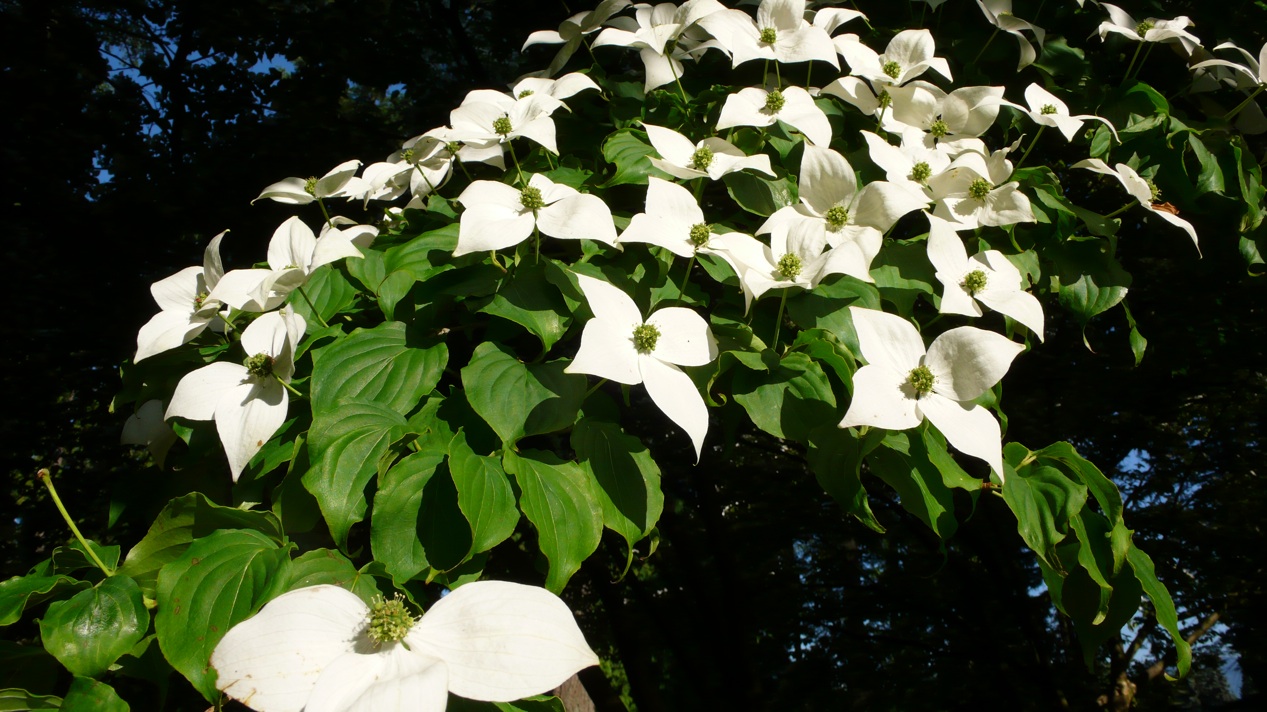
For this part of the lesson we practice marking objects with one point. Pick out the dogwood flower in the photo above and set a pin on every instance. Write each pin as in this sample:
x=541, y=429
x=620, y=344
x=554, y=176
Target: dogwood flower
x=909, y=166
x=617, y=344
x=1150, y=29
x=488, y=119
x=185, y=305
x=797, y=257
x=656, y=31
x=974, y=190
x=498, y=215
x=902, y=383
x=248, y=401
x=1254, y=70
x=942, y=118
x=837, y=211
x=711, y=158
x=674, y=221
x=321, y=648
x=294, y=253
x=999, y=14
x=147, y=427
x=340, y=182
x=780, y=32
x=987, y=277
x=793, y=106
x=907, y=56
x=1142, y=190
x=1045, y=109
x=573, y=31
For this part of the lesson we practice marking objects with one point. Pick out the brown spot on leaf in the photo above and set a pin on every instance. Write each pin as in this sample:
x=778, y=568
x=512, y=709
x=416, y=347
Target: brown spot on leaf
x=1166, y=208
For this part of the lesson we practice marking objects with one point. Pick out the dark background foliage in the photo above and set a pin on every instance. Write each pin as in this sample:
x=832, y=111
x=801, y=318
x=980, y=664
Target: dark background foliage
x=134, y=130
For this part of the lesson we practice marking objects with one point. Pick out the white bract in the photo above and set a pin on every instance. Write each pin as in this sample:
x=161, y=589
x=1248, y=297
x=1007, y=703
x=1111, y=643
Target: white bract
x=987, y=277
x=147, y=427
x=711, y=158
x=1150, y=29
x=942, y=118
x=340, y=182
x=999, y=13
x=185, y=303
x=497, y=215
x=1142, y=190
x=1254, y=70
x=902, y=383
x=974, y=191
x=909, y=166
x=907, y=56
x=247, y=401
x=321, y=649
x=617, y=344
x=793, y=106
x=796, y=258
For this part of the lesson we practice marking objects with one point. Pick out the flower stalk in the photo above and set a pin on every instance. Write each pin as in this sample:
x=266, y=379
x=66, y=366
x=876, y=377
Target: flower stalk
x=47, y=478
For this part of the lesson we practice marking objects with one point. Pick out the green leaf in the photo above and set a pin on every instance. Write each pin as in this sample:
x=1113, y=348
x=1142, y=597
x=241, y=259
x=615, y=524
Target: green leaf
x=951, y=473
x=788, y=401
x=1083, y=470
x=1089, y=280
x=14, y=700
x=89, y=695
x=417, y=260
x=627, y=149
x=627, y=476
x=344, y=447
x=1210, y=179
x=394, y=537
x=182, y=521
x=518, y=400
x=327, y=566
x=328, y=290
x=901, y=462
x=827, y=307
x=91, y=630
x=388, y=364
x=484, y=495
x=761, y=196
x=529, y=300
x=72, y=557
x=1163, y=605
x=558, y=497
x=1043, y=499
x=902, y=272
x=22, y=592
x=835, y=456
x=221, y=580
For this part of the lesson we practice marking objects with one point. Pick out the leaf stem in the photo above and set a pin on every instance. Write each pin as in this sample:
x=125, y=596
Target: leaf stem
x=1229, y=115
x=1025, y=155
x=778, y=321
x=47, y=478
x=1121, y=210
x=312, y=306
x=288, y=387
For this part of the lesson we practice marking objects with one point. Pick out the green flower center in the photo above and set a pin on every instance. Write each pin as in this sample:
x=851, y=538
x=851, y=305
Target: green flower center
x=884, y=100
x=790, y=266
x=524, y=93
x=702, y=158
x=1142, y=28
x=837, y=216
x=260, y=365
x=198, y=300
x=775, y=102
x=645, y=338
x=921, y=379
x=979, y=188
x=390, y=621
x=893, y=69
x=407, y=155
x=453, y=147
x=973, y=282
x=1048, y=109
x=920, y=172
x=530, y=198
x=502, y=125
x=939, y=129
x=310, y=187
x=699, y=234
x=769, y=35
x=1153, y=190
